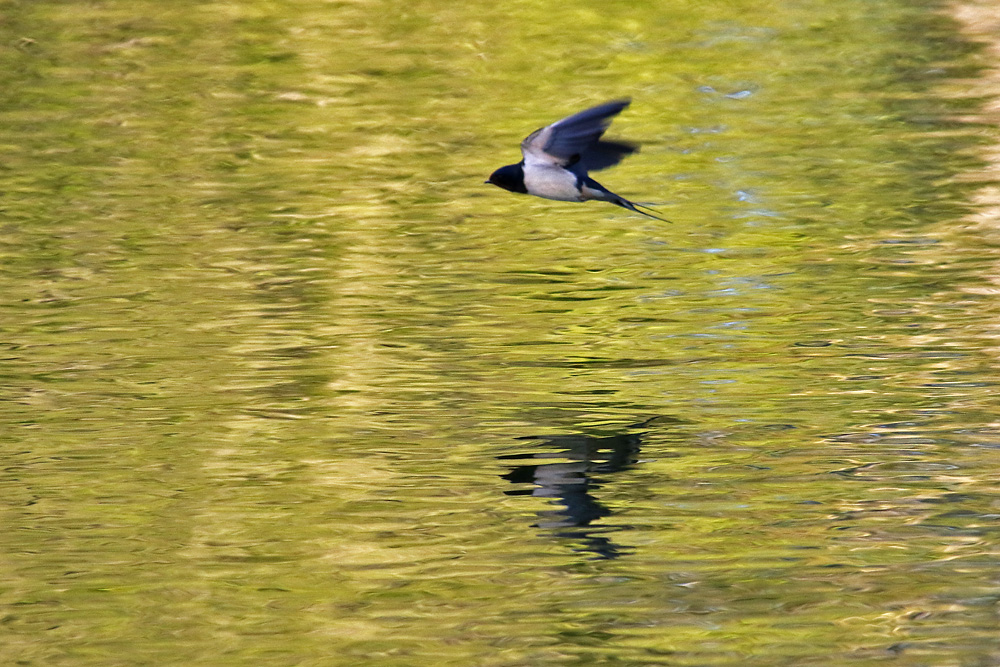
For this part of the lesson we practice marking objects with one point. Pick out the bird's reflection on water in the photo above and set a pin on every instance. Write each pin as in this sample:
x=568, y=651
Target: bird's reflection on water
x=583, y=466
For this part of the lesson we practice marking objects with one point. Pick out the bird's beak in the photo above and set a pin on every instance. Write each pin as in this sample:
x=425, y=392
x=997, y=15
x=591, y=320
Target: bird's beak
x=486, y=182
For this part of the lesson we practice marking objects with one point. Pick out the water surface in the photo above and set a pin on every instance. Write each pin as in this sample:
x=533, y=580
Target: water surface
x=286, y=384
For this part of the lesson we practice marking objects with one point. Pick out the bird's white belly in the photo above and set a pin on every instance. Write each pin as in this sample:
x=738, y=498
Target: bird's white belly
x=551, y=183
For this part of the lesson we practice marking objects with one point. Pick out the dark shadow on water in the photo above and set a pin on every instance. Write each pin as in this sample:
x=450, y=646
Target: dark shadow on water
x=583, y=467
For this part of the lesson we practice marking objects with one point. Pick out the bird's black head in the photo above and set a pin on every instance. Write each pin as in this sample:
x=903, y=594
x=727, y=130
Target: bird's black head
x=510, y=178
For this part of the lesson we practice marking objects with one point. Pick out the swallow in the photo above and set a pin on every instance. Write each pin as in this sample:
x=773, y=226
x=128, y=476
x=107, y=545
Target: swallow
x=557, y=158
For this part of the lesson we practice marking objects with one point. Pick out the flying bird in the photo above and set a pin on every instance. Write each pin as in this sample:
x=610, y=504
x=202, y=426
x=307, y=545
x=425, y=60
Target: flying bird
x=557, y=158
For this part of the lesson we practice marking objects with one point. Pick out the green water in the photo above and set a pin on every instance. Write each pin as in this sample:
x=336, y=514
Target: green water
x=285, y=384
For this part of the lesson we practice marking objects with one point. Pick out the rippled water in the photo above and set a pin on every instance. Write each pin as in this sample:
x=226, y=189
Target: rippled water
x=285, y=384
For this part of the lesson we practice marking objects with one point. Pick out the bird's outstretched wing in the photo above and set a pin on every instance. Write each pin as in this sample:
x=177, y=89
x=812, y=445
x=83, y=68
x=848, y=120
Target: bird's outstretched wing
x=571, y=139
x=606, y=154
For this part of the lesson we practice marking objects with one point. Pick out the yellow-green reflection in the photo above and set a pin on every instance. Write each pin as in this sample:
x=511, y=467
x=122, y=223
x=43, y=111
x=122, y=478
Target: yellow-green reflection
x=285, y=383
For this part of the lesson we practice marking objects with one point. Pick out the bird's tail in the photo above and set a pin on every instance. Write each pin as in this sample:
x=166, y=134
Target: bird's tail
x=632, y=206
x=591, y=189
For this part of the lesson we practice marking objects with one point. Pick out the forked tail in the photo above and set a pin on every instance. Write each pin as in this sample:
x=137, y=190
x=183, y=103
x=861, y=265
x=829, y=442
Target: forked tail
x=591, y=189
x=624, y=203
